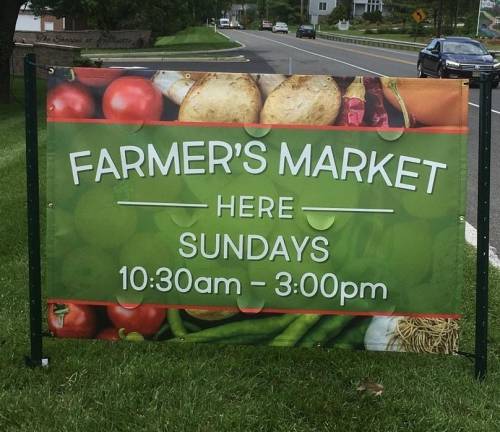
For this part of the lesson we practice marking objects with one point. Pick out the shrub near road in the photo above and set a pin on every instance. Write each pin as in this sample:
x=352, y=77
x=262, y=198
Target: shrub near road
x=125, y=386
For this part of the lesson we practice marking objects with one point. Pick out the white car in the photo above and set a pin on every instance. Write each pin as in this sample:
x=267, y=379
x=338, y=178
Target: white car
x=280, y=27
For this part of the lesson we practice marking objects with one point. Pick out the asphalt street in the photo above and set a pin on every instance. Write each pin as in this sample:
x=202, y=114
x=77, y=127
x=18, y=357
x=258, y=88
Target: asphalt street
x=277, y=53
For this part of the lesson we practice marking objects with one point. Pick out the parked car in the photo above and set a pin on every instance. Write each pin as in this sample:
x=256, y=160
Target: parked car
x=266, y=25
x=223, y=23
x=306, y=30
x=280, y=27
x=457, y=57
x=235, y=25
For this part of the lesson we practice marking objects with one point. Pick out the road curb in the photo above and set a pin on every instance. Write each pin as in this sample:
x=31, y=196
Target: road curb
x=471, y=238
x=237, y=59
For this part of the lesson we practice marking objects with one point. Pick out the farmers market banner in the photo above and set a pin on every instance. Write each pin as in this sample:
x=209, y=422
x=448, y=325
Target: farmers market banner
x=273, y=209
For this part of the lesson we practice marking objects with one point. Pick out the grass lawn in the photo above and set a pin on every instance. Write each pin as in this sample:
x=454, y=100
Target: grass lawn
x=98, y=385
x=191, y=39
x=195, y=39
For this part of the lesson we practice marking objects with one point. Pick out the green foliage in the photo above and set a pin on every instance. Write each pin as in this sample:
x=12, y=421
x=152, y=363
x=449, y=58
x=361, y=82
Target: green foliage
x=161, y=16
x=339, y=13
x=373, y=17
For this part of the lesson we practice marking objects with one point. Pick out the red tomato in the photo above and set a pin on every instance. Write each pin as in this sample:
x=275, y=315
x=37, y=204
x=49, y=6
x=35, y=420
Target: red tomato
x=72, y=321
x=109, y=333
x=70, y=101
x=132, y=98
x=144, y=319
x=96, y=77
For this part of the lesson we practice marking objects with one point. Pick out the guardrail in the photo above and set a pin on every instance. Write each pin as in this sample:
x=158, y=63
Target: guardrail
x=363, y=40
x=378, y=42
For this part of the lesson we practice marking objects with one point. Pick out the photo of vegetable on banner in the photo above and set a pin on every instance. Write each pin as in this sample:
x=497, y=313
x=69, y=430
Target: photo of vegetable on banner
x=237, y=208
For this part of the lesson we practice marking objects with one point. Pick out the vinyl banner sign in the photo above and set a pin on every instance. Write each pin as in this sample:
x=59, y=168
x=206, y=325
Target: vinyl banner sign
x=236, y=208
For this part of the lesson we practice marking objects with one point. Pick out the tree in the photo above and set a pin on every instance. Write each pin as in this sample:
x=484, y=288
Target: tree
x=339, y=13
x=9, y=9
x=450, y=10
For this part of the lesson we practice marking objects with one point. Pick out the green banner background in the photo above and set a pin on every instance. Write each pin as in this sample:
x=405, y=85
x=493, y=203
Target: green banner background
x=415, y=251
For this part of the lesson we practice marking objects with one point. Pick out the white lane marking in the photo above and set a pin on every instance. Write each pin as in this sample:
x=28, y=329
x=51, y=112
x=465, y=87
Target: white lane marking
x=161, y=204
x=343, y=62
x=319, y=55
x=348, y=210
x=477, y=106
x=471, y=238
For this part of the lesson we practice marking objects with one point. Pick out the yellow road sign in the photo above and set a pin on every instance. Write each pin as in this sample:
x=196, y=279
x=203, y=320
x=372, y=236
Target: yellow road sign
x=418, y=15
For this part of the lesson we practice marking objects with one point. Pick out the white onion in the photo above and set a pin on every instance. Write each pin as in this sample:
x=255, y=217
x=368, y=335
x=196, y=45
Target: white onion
x=379, y=334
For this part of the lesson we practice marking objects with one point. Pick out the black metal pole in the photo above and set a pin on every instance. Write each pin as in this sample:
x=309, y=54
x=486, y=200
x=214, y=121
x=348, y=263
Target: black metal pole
x=483, y=227
x=34, y=266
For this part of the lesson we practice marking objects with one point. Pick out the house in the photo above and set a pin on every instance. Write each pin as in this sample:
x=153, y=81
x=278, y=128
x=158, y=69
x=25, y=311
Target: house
x=319, y=8
x=27, y=21
x=239, y=10
x=487, y=4
x=359, y=7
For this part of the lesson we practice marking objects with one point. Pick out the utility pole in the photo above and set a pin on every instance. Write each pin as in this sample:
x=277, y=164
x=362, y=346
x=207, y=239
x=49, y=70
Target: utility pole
x=301, y=11
x=440, y=19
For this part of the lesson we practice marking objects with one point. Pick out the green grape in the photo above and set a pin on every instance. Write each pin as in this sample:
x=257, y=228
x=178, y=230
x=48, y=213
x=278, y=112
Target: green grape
x=100, y=221
x=89, y=273
x=150, y=251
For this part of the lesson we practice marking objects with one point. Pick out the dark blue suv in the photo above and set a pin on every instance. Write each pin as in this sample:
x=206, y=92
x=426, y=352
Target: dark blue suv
x=457, y=57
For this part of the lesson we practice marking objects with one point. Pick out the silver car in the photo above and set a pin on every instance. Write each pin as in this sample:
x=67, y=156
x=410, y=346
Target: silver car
x=280, y=27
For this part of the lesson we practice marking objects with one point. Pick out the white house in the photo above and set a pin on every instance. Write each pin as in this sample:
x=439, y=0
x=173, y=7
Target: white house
x=487, y=4
x=27, y=21
x=359, y=7
x=318, y=8
x=238, y=10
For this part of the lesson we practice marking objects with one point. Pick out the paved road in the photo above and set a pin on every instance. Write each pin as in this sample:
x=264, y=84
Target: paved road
x=279, y=53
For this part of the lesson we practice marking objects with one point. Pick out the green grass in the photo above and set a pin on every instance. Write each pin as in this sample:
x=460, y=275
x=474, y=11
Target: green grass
x=191, y=39
x=195, y=39
x=96, y=385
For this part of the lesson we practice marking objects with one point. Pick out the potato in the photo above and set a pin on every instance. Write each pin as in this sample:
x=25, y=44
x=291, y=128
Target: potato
x=301, y=99
x=430, y=102
x=268, y=82
x=222, y=97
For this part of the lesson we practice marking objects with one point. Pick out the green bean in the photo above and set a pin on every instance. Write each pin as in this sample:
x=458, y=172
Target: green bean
x=191, y=327
x=175, y=321
x=163, y=329
x=354, y=336
x=327, y=328
x=298, y=328
x=258, y=327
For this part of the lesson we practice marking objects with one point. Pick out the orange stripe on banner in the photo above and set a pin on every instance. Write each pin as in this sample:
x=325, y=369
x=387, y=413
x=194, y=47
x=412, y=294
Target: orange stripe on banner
x=450, y=130
x=264, y=310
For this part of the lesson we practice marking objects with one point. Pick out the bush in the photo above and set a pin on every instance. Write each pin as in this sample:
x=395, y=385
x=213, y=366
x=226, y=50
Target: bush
x=338, y=14
x=373, y=17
